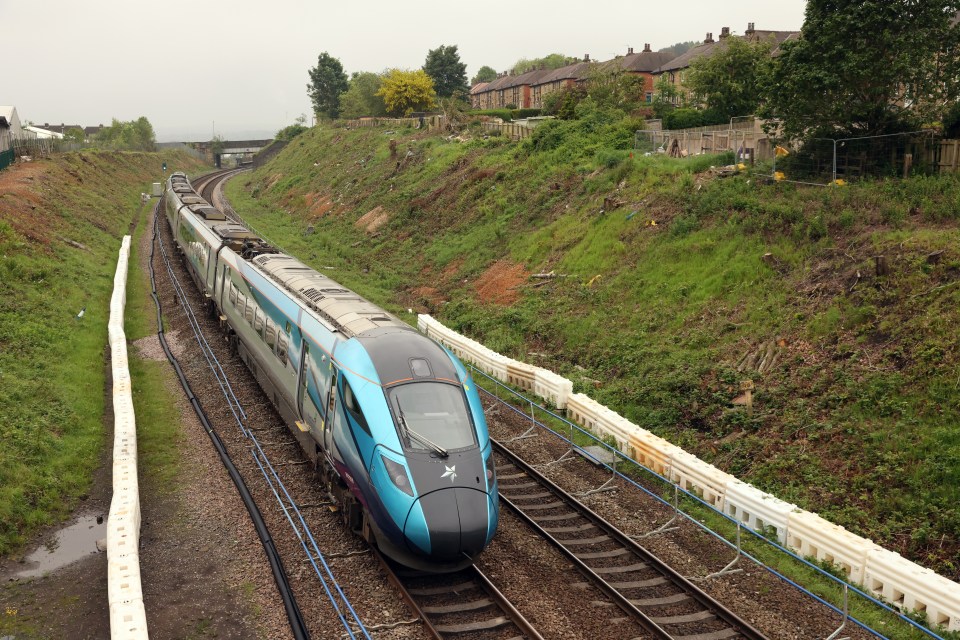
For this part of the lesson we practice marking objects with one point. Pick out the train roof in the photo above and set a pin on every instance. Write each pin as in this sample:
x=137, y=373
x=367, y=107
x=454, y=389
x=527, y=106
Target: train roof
x=345, y=310
x=398, y=356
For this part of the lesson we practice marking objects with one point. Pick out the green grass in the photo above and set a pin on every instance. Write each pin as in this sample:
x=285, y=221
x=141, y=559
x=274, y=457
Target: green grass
x=52, y=365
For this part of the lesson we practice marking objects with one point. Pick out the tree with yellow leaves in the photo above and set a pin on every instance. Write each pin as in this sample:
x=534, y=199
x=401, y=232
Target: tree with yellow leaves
x=404, y=92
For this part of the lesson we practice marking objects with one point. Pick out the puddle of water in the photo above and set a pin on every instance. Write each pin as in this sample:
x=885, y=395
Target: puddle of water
x=66, y=546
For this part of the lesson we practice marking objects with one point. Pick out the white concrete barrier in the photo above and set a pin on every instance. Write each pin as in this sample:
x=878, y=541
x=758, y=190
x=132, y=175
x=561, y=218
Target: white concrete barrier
x=910, y=587
x=757, y=510
x=128, y=619
x=812, y=536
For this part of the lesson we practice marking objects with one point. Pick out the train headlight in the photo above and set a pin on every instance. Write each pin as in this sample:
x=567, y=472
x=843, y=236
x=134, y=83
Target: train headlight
x=398, y=475
x=490, y=471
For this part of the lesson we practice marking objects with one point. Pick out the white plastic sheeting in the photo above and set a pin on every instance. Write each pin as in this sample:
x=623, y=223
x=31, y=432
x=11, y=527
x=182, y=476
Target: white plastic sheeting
x=905, y=584
x=128, y=619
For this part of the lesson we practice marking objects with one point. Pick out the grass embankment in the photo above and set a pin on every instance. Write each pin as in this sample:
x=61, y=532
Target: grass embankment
x=61, y=222
x=662, y=304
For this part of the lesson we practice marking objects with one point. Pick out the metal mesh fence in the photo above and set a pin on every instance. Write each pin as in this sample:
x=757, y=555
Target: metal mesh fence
x=825, y=161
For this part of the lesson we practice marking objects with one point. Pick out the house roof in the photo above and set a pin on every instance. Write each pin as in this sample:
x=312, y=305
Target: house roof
x=576, y=71
x=6, y=115
x=480, y=87
x=707, y=48
x=643, y=62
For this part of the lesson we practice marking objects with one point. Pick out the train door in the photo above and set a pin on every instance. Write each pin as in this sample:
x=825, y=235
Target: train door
x=331, y=407
x=224, y=283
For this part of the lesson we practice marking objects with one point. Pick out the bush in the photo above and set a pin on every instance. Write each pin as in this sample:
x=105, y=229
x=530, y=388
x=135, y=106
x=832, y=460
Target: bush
x=504, y=114
x=525, y=113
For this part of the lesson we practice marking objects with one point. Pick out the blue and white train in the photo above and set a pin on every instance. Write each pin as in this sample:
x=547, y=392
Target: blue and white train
x=391, y=419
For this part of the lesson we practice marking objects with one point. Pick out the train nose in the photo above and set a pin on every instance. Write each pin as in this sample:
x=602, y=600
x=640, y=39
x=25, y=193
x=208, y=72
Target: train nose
x=457, y=520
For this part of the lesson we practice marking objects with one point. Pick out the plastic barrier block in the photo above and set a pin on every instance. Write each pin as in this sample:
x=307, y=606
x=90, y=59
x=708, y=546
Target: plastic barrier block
x=756, y=509
x=521, y=374
x=651, y=451
x=693, y=474
x=812, y=536
x=583, y=410
x=910, y=587
x=128, y=620
x=552, y=387
x=123, y=579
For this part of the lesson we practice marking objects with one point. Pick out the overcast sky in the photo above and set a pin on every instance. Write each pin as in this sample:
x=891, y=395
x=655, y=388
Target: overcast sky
x=239, y=67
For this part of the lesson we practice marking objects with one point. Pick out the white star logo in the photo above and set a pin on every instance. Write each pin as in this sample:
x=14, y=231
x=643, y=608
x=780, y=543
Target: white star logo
x=450, y=472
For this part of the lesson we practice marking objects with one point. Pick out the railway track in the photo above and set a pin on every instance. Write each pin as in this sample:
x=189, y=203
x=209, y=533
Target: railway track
x=639, y=584
x=462, y=603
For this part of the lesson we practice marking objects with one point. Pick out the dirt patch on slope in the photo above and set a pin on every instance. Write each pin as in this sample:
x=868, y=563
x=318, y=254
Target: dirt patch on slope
x=500, y=283
x=373, y=220
x=21, y=200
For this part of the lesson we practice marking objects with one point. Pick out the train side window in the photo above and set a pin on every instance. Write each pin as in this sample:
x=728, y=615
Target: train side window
x=258, y=321
x=270, y=333
x=282, y=348
x=353, y=407
x=248, y=312
x=233, y=294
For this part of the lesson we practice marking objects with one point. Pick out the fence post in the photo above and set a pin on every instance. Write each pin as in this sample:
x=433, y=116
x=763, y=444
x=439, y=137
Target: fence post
x=835, y=162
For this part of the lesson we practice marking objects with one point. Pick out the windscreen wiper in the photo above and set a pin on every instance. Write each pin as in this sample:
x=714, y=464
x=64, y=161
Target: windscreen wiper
x=423, y=439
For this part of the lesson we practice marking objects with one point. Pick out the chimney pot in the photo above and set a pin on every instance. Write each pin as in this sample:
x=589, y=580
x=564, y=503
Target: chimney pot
x=629, y=51
x=586, y=57
x=646, y=48
x=724, y=32
x=750, y=28
x=709, y=38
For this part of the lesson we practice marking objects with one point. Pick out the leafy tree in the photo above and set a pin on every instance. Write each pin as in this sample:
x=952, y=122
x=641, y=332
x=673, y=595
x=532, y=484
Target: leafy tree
x=484, y=74
x=135, y=135
x=448, y=73
x=74, y=134
x=327, y=82
x=291, y=132
x=217, y=144
x=614, y=88
x=866, y=67
x=665, y=96
x=552, y=61
x=406, y=91
x=361, y=98
x=729, y=83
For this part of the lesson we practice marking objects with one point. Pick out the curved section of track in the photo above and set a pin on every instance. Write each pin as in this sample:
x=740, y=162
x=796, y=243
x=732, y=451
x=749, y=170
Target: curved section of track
x=642, y=586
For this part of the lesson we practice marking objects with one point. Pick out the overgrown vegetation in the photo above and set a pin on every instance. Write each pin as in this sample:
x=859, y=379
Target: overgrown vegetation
x=60, y=227
x=667, y=286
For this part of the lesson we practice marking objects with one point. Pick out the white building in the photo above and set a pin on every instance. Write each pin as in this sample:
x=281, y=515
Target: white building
x=41, y=133
x=10, y=127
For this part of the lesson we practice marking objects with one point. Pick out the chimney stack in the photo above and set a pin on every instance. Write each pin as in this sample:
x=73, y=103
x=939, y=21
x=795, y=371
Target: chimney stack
x=646, y=48
x=750, y=29
x=586, y=57
x=629, y=51
x=724, y=33
x=709, y=38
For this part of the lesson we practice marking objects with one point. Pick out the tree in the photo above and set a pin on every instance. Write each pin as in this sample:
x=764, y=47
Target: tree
x=406, y=91
x=217, y=144
x=484, y=74
x=866, y=67
x=135, y=135
x=74, y=134
x=361, y=98
x=729, y=83
x=327, y=82
x=448, y=73
x=614, y=88
x=665, y=96
x=552, y=61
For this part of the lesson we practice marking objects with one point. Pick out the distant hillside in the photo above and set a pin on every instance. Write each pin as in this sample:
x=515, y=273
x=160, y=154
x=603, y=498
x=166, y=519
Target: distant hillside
x=667, y=288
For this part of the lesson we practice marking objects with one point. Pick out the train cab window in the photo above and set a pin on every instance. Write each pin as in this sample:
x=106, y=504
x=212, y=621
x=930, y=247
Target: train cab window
x=353, y=407
x=436, y=412
x=282, y=348
x=270, y=333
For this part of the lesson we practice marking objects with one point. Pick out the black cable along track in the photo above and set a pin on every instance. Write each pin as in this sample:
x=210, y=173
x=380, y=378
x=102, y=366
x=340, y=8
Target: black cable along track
x=294, y=616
